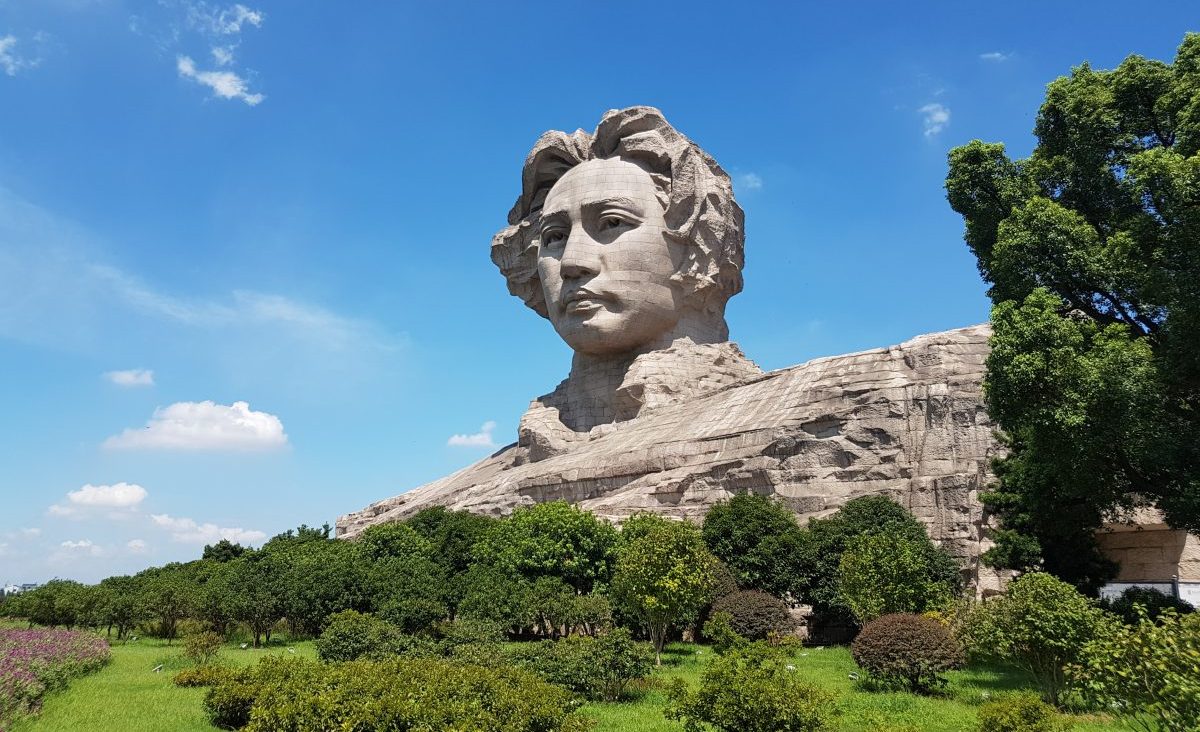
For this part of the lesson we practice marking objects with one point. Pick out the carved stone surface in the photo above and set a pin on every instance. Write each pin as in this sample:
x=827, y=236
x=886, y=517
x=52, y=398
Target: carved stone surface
x=907, y=422
x=630, y=242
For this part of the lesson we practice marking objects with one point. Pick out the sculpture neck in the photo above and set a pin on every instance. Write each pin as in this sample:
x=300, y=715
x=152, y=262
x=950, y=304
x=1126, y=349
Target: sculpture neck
x=592, y=396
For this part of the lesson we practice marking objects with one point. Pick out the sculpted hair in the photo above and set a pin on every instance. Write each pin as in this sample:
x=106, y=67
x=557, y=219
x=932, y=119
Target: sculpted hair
x=696, y=194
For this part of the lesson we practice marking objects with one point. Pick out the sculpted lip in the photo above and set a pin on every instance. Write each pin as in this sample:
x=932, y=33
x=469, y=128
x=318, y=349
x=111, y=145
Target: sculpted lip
x=582, y=300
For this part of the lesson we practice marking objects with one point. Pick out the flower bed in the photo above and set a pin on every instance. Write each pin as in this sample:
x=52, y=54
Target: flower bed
x=35, y=662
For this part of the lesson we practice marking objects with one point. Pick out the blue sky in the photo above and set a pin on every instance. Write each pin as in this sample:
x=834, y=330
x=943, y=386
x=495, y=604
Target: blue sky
x=244, y=274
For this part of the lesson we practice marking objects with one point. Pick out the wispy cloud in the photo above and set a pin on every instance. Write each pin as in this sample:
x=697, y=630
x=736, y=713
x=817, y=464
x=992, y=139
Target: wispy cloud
x=750, y=181
x=194, y=29
x=189, y=531
x=131, y=377
x=118, y=501
x=215, y=20
x=82, y=546
x=58, y=290
x=995, y=56
x=204, y=426
x=136, y=546
x=222, y=55
x=224, y=84
x=936, y=117
x=482, y=438
x=11, y=61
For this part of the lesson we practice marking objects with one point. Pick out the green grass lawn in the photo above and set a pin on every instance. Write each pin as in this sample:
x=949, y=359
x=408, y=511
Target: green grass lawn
x=860, y=711
x=128, y=696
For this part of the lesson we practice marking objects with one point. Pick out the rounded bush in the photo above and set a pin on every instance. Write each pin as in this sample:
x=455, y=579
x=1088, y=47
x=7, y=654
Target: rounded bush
x=752, y=689
x=909, y=649
x=1152, y=602
x=200, y=676
x=351, y=635
x=754, y=614
x=1020, y=713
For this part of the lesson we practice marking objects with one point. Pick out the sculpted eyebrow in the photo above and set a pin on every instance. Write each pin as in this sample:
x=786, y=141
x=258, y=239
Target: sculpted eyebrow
x=622, y=201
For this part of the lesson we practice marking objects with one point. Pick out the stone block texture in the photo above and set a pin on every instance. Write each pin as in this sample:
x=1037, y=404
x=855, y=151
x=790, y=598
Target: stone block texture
x=907, y=422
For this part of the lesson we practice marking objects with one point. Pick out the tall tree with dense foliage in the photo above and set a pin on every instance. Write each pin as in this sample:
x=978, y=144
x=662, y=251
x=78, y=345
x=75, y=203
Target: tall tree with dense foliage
x=755, y=536
x=819, y=550
x=664, y=577
x=1091, y=248
x=553, y=539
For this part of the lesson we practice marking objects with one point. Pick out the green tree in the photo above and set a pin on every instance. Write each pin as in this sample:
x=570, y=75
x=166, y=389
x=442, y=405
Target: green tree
x=1149, y=674
x=1088, y=246
x=1041, y=625
x=254, y=589
x=452, y=534
x=122, y=607
x=169, y=594
x=820, y=546
x=663, y=578
x=320, y=577
x=755, y=536
x=223, y=551
x=553, y=539
x=881, y=574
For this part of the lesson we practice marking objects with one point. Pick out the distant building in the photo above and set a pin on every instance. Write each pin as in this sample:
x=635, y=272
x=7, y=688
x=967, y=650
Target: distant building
x=1152, y=555
x=18, y=589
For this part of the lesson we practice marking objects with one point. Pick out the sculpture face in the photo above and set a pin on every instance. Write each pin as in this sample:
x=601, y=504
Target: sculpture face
x=604, y=263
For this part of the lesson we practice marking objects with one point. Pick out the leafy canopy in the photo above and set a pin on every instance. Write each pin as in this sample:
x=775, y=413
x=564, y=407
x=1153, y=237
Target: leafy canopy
x=1089, y=246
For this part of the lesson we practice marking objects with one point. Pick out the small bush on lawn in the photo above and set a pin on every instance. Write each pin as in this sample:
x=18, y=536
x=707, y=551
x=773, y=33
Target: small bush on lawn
x=230, y=701
x=397, y=694
x=751, y=690
x=599, y=668
x=754, y=614
x=1148, y=674
x=911, y=650
x=1020, y=713
x=1154, y=602
x=202, y=647
x=200, y=676
x=1041, y=625
x=719, y=631
x=351, y=635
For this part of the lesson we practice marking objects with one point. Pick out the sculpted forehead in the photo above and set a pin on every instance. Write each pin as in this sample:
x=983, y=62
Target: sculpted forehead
x=599, y=179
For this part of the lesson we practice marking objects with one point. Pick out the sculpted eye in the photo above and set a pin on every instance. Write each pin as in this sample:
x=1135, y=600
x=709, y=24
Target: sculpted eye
x=553, y=236
x=611, y=222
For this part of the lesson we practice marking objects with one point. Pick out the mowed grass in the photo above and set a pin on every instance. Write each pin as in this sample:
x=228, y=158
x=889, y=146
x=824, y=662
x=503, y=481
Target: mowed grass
x=860, y=711
x=129, y=696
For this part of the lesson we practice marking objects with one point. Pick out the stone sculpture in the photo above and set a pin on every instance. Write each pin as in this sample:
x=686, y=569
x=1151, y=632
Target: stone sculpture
x=630, y=242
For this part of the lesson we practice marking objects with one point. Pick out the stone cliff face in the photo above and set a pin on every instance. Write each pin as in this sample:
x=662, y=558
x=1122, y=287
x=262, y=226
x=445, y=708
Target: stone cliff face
x=906, y=421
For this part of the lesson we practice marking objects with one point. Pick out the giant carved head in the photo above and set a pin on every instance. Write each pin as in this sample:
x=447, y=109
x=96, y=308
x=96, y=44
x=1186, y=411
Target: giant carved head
x=625, y=238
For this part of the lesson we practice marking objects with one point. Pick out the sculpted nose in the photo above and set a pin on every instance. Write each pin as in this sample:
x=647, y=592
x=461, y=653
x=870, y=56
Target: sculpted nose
x=581, y=257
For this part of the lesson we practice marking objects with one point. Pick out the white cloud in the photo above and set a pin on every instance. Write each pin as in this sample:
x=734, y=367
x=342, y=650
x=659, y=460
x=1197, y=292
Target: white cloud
x=750, y=181
x=131, y=377
x=204, y=426
x=187, y=531
x=995, y=56
x=12, y=62
x=223, y=55
x=936, y=117
x=83, y=546
x=136, y=546
x=482, y=438
x=116, y=501
x=30, y=533
x=224, y=84
x=217, y=21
